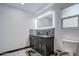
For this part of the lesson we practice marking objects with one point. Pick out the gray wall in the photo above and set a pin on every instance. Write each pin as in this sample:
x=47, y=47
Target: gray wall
x=14, y=28
x=63, y=34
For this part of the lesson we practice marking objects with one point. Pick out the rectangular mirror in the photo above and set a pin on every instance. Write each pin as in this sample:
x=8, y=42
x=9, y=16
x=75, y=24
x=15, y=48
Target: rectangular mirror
x=70, y=22
x=45, y=21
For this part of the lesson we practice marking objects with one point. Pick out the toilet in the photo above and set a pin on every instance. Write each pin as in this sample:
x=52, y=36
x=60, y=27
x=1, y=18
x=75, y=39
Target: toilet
x=71, y=47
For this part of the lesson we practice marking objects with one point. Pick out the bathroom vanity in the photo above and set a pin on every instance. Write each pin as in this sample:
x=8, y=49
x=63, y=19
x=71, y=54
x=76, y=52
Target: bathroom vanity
x=42, y=37
x=43, y=44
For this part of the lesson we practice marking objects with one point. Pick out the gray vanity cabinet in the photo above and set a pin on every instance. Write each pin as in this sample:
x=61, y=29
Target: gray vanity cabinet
x=43, y=45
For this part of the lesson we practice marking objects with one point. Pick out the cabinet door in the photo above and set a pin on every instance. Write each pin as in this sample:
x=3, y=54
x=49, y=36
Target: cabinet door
x=39, y=45
x=31, y=40
x=36, y=43
x=43, y=48
x=50, y=46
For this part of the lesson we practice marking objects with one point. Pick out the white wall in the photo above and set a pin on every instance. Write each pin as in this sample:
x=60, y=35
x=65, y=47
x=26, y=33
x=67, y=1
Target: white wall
x=69, y=34
x=14, y=28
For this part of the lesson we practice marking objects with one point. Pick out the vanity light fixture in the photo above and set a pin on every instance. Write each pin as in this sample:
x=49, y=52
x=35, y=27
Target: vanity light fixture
x=35, y=23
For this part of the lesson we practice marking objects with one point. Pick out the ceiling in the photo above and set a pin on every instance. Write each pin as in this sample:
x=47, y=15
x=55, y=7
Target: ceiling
x=31, y=8
x=36, y=8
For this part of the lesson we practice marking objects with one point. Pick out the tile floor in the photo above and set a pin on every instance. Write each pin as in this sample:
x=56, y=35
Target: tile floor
x=21, y=53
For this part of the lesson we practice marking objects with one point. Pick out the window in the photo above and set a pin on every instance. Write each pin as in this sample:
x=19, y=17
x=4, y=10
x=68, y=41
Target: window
x=70, y=22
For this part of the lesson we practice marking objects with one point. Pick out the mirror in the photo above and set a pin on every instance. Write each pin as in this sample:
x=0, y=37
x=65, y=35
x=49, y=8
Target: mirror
x=45, y=21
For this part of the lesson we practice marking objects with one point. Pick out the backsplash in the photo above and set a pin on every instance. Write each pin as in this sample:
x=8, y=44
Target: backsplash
x=32, y=31
x=49, y=31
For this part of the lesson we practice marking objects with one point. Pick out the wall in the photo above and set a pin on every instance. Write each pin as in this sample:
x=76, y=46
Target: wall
x=14, y=28
x=62, y=34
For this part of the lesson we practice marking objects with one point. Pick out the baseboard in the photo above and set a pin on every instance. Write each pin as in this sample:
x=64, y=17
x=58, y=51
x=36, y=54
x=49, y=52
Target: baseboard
x=14, y=50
